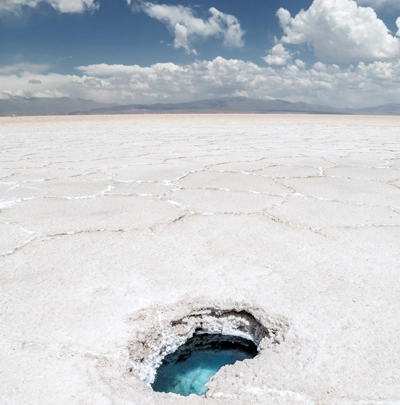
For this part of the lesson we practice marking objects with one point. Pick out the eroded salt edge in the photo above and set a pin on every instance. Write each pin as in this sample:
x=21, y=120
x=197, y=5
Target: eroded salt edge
x=148, y=354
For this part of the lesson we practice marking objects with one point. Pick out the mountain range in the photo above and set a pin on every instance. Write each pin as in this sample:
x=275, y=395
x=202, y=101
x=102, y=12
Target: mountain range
x=65, y=106
x=47, y=106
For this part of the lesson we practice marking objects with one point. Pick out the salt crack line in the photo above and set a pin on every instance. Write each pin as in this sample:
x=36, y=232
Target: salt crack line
x=359, y=204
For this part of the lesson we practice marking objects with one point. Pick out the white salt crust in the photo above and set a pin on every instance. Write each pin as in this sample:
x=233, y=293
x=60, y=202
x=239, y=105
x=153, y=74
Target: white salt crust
x=112, y=226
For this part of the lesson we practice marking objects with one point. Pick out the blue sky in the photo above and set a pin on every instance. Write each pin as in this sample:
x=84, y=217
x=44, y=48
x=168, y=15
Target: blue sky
x=117, y=34
x=334, y=52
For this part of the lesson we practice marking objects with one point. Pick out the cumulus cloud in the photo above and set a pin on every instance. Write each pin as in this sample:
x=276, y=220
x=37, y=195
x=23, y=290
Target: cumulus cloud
x=300, y=64
x=320, y=83
x=340, y=31
x=63, y=6
x=51, y=85
x=278, y=55
x=186, y=27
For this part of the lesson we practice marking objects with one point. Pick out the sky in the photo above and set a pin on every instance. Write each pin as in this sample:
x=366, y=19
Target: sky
x=342, y=53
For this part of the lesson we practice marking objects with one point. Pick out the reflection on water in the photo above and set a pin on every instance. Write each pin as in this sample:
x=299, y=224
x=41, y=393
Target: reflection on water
x=191, y=366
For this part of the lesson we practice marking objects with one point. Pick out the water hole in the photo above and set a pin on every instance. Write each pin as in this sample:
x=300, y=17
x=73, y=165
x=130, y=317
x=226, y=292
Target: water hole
x=188, y=370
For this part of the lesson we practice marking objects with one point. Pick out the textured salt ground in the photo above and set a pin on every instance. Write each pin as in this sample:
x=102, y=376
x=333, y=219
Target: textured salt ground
x=105, y=218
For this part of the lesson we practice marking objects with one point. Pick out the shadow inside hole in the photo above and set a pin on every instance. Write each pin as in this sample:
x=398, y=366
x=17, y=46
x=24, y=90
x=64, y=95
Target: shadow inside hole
x=191, y=366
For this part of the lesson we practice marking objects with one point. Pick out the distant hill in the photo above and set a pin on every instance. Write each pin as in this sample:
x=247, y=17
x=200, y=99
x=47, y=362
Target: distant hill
x=242, y=105
x=65, y=105
x=386, y=109
x=220, y=105
x=47, y=106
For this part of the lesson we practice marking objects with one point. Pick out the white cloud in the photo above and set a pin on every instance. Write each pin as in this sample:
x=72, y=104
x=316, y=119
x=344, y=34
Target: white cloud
x=181, y=38
x=320, y=84
x=359, y=85
x=63, y=6
x=278, y=55
x=186, y=27
x=340, y=31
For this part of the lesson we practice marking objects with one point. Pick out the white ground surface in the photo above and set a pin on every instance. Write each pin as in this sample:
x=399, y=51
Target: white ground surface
x=105, y=218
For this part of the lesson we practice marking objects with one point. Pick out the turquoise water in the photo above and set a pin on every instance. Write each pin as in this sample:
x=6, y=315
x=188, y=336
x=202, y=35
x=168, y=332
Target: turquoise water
x=188, y=370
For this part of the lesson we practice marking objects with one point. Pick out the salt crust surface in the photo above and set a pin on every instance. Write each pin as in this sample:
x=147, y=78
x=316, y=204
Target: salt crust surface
x=104, y=219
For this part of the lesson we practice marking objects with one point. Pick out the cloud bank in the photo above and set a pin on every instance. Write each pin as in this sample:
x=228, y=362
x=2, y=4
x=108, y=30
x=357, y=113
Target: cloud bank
x=63, y=6
x=186, y=27
x=340, y=31
x=318, y=84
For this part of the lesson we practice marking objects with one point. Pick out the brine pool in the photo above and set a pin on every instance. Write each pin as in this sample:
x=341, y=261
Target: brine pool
x=188, y=370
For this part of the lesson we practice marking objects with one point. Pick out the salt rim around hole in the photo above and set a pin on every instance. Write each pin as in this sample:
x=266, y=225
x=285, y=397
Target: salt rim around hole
x=161, y=331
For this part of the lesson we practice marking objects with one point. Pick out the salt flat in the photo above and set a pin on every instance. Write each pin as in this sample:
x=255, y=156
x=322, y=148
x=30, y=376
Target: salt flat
x=112, y=227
